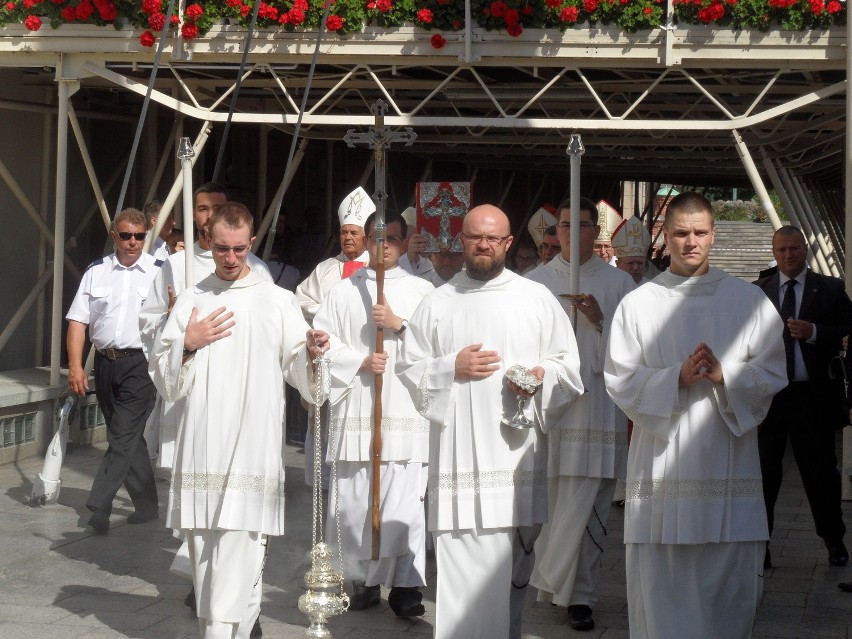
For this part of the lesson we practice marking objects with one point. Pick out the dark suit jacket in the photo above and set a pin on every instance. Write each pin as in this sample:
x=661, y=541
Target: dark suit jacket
x=826, y=305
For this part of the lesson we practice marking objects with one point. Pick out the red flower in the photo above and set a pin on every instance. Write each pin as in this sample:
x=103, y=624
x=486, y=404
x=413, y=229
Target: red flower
x=834, y=7
x=710, y=14
x=189, y=31
x=29, y=4
x=151, y=6
x=84, y=10
x=441, y=3
x=590, y=5
x=384, y=5
x=647, y=11
x=438, y=41
x=498, y=9
x=157, y=21
x=553, y=4
x=527, y=10
x=512, y=17
x=425, y=16
x=10, y=6
x=175, y=19
x=816, y=6
x=69, y=14
x=245, y=10
x=297, y=16
x=569, y=14
x=194, y=12
x=334, y=23
x=33, y=23
x=514, y=30
x=457, y=24
x=147, y=39
x=233, y=3
x=108, y=12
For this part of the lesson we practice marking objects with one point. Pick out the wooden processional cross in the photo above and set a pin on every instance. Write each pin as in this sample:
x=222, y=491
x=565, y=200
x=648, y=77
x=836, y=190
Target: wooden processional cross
x=378, y=138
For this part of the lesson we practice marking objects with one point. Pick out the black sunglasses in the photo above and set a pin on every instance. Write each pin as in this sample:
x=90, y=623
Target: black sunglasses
x=139, y=237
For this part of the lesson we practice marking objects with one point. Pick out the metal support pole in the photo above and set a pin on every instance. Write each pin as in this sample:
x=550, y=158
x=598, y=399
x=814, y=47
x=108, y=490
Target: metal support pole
x=161, y=166
x=506, y=190
x=756, y=180
x=24, y=308
x=64, y=95
x=262, y=161
x=270, y=220
x=575, y=151
x=185, y=154
x=816, y=261
x=816, y=226
x=87, y=162
x=44, y=200
x=845, y=477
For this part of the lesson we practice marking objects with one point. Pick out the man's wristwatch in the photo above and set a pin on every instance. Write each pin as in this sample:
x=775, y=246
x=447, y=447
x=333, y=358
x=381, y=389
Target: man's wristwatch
x=402, y=328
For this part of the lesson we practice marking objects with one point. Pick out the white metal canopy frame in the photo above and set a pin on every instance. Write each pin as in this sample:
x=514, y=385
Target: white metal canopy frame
x=691, y=106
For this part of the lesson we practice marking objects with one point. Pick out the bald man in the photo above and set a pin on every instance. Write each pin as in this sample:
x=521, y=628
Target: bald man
x=488, y=480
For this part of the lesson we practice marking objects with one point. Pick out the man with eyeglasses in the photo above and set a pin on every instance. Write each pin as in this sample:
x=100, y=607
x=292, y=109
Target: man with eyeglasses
x=169, y=283
x=588, y=446
x=108, y=301
x=550, y=245
x=487, y=480
x=228, y=345
x=351, y=314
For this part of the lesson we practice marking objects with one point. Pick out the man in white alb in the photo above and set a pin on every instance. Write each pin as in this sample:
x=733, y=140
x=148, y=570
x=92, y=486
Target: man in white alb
x=587, y=449
x=487, y=480
x=227, y=488
x=350, y=314
x=694, y=359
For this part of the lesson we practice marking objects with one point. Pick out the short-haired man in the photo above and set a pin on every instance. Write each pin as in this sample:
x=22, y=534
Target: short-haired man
x=694, y=359
x=161, y=247
x=526, y=257
x=587, y=448
x=226, y=347
x=817, y=314
x=350, y=314
x=550, y=246
x=487, y=480
x=107, y=303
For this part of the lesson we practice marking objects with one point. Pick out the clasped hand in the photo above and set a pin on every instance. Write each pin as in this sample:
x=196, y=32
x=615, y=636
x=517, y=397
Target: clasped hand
x=702, y=364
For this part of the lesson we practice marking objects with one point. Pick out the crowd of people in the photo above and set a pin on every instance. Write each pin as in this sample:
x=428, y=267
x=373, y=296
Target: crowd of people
x=673, y=397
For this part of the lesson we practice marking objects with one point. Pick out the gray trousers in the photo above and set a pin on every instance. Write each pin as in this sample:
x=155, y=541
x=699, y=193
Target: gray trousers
x=126, y=397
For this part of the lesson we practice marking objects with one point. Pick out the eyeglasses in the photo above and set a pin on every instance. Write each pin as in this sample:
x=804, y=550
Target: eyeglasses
x=224, y=250
x=393, y=240
x=582, y=225
x=492, y=240
x=139, y=237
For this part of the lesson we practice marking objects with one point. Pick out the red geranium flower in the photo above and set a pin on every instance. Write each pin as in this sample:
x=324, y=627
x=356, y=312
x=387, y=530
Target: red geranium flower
x=233, y=3
x=590, y=5
x=512, y=17
x=334, y=23
x=147, y=39
x=68, y=13
x=194, y=12
x=157, y=21
x=108, y=12
x=553, y=4
x=10, y=6
x=498, y=9
x=245, y=10
x=438, y=41
x=527, y=10
x=569, y=14
x=457, y=24
x=33, y=23
x=384, y=5
x=514, y=30
x=424, y=15
x=833, y=7
x=647, y=11
x=189, y=31
x=151, y=6
x=84, y=10
x=297, y=16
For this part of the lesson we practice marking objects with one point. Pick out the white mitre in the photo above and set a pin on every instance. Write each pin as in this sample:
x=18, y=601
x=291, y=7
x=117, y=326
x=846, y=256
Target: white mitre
x=540, y=221
x=410, y=217
x=608, y=219
x=631, y=239
x=356, y=208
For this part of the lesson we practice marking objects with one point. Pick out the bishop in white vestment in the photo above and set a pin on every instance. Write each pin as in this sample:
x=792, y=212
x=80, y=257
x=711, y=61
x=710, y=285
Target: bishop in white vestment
x=695, y=357
x=349, y=315
x=487, y=480
x=587, y=449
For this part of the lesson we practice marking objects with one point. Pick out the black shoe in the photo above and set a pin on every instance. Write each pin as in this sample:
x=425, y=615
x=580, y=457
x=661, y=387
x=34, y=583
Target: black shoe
x=99, y=521
x=256, y=632
x=189, y=600
x=845, y=586
x=141, y=516
x=406, y=602
x=837, y=554
x=767, y=560
x=364, y=596
x=580, y=618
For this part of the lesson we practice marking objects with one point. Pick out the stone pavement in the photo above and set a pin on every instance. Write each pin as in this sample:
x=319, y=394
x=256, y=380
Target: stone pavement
x=59, y=580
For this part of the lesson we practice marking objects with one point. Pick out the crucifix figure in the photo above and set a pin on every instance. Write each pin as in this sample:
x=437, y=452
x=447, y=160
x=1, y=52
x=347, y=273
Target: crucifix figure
x=378, y=138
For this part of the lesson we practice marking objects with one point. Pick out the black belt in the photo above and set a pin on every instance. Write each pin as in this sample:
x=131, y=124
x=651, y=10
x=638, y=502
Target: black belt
x=117, y=353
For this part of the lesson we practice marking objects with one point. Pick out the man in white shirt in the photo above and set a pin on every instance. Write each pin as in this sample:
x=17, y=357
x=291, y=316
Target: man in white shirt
x=108, y=302
x=227, y=346
x=487, y=480
x=350, y=314
x=694, y=359
x=587, y=449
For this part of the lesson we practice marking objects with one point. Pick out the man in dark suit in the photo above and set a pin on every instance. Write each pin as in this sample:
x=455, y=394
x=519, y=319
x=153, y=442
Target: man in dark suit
x=817, y=313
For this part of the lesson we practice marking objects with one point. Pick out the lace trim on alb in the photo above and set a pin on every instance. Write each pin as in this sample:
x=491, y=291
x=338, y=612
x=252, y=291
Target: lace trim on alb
x=477, y=482
x=389, y=424
x=658, y=488
x=587, y=436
